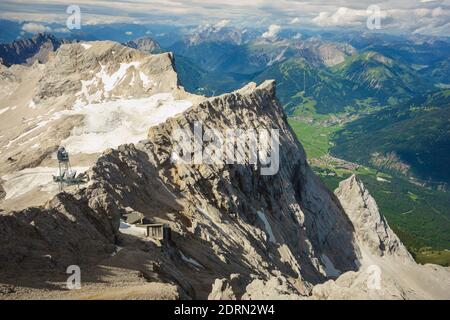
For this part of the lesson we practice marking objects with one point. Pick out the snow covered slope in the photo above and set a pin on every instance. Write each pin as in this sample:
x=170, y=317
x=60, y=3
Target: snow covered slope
x=87, y=97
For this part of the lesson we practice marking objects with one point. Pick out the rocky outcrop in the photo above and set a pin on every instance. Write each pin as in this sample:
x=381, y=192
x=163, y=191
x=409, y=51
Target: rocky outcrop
x=274, y=288
x=103, y=70
x=85, y=91
x=145, y=44
x=66, y=231
x=2, y=190
x=387, y=270
x=331, y=54
x=28, y=51
x=222, y=290
x=305, y=229
x=373, y=231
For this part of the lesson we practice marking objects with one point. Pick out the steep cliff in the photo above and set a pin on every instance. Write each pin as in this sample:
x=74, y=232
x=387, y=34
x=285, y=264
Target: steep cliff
x=226, y=219
x=387, y=269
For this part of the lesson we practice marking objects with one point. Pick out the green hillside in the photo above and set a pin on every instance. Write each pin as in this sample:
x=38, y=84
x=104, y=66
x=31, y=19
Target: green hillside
x=412, y=139
x=385, y=78
x=361, y=83
x=209, y=83
x=300, y=83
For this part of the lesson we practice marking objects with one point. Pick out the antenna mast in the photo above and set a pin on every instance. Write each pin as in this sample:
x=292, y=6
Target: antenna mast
x=65, y=173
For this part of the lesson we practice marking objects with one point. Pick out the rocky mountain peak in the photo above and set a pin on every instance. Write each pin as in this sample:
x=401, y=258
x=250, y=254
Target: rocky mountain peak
x=379, y=58
x=28, y=51
x=387, y=270
x=105, y=69
x=372, y=230
x=225, y=218
x=219, y=32
x=145, y=44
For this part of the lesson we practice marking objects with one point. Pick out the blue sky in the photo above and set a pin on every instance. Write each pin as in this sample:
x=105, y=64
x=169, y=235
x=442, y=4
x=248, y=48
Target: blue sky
x=419, y=16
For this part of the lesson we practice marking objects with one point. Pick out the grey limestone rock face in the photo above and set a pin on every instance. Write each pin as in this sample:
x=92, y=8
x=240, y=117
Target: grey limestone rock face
x=387, y=270
x=220, y=214
x=373, y=229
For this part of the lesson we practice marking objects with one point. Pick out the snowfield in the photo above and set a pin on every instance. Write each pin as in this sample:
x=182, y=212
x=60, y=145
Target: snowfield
x=267, y=226
x=114, y=106
x=4, y=110
x=19, y=183
x=191, y=261
x=112, y=123
x=111, y=81
x=132, y=230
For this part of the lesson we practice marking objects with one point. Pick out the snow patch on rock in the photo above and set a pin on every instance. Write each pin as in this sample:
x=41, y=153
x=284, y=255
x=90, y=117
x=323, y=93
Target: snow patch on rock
x=191, y=261
x=2, y=111
x=131, y=229
x=19, y=183
x=86, y=46
x=267, y=226
x=330, y=270
x=110, y=81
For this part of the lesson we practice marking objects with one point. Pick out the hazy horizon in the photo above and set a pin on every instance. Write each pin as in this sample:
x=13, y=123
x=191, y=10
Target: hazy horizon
x=427, y=17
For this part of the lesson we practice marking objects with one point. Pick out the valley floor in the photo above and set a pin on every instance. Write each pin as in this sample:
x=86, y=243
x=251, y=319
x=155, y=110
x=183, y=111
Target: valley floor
x=419, y=215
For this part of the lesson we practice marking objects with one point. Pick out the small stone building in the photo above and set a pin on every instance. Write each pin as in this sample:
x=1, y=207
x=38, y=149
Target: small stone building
x=159, y=231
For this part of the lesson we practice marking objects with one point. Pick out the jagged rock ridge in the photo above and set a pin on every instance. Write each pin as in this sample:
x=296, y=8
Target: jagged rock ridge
x=213, y=210
x=387, y=269
x=145, y=44
x=27, y=51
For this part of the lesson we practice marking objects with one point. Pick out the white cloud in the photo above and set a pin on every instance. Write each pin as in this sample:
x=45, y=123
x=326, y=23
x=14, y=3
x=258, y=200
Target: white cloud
x=272, y=32
x=62, y=30
x=32, y=27
x=221, y=24
x=402, y=14
x=437, y=12
x=422, y=12
x=342, y=17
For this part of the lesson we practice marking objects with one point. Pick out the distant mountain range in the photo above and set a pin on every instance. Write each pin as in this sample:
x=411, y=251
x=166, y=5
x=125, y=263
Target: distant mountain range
x=27, y=51
x=316, y=72
x=145, y=44
x=260, y=53
x=362, y=81
x=312, y=72
x=315, y=75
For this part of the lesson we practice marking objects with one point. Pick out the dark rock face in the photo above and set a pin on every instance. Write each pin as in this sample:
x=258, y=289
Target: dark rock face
x=2, y=190
x=69, y=230
x=27, y=51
